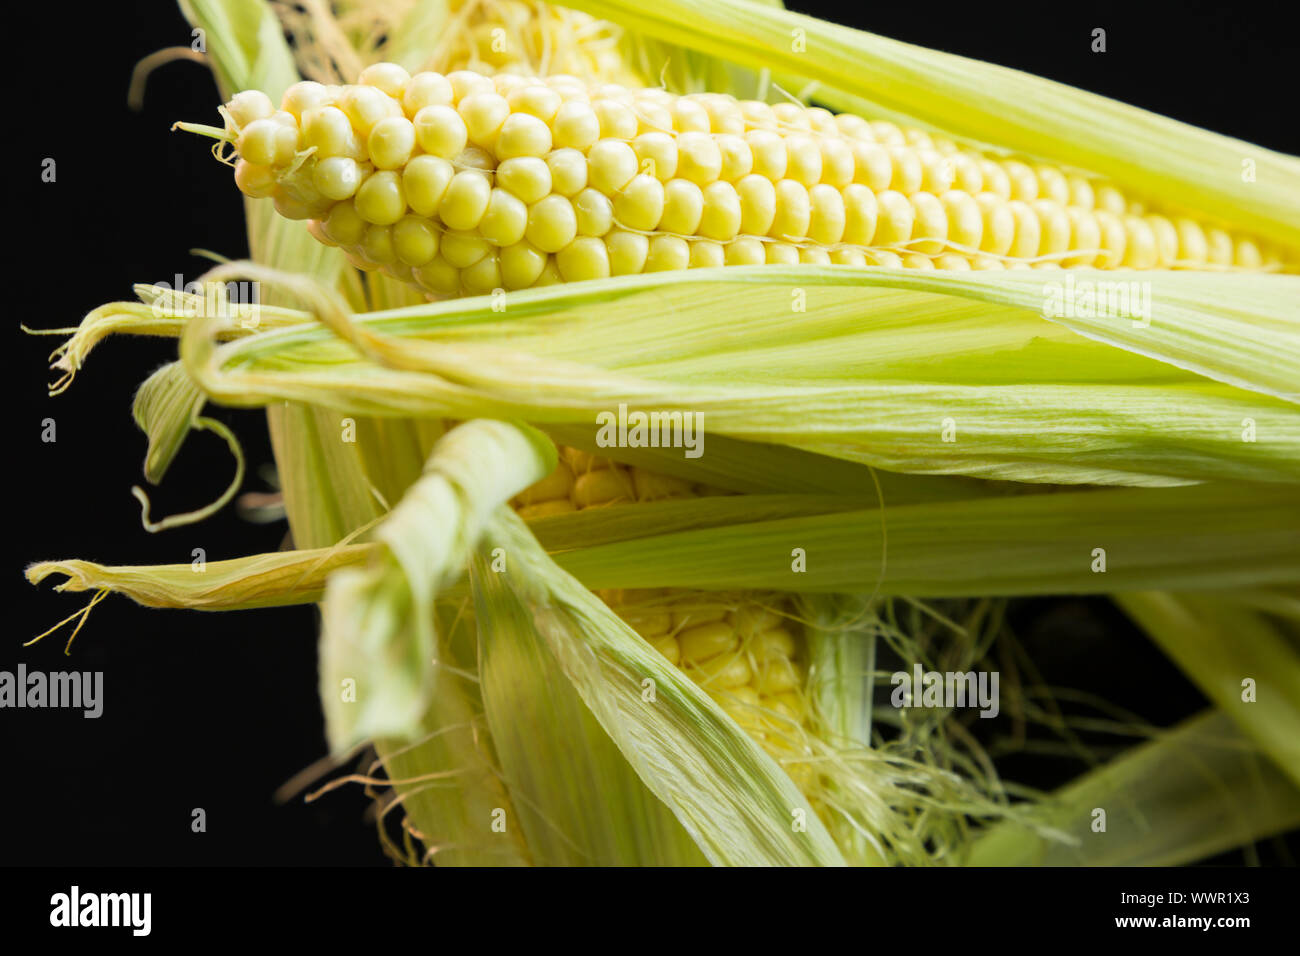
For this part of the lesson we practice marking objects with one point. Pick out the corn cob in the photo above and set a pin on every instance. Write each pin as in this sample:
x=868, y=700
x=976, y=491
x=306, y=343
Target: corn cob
x=465, y=184
x=747, y=654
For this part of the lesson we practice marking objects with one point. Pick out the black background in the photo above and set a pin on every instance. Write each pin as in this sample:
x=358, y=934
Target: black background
x=217, y=711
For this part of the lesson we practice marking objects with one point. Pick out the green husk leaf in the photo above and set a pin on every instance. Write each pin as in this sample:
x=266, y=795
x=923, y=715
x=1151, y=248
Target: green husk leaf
x=1219, y=645
x=378, y=640
x=1197, y=790
x=870, y=374
x=550, y=774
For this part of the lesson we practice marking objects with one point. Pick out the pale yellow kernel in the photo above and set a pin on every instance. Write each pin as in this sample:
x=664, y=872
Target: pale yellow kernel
x=838, y=162
x=996, y=179
x=594, y=211
x=424, y=181
x=377, y=244
x=1246, y=254
x=426, y=89
x=343, y=225
x=814, y=256
x=484, y=115
x=698, y=158
x=627, y=252
x=744, y=251
x=918, y=138
x=894, y=218
x=999, y=224
x=1024, y=184
x=1113, y=240
x=467, y=83
x=721, y=215
x=483, y=276
x=769, y=153
x=667, y=253
x=848, y=257
x=604, y=487
x=827, y=216
x=1081, y=193
x=1140, y=251
x=885, y=259
x=463, y=249
x=937, y=171
x=466, y=200
x=438, y=276
x=523, y=134
x=336, y=177
x=557, y=484
x=914, y=260
x=725, y=116
x=652, y=117
x=248, y=106
x=389, y=77
x=757, y=204
x=1166, y=240
x=803, y=159
x=611, y=164
x=873, y=166
x=616, y=120
x=703, y=641
x=584, y=258
x=267, y=143
x=440, y=131
x=737, y=157
x=329, y=131
x=987, y=264
x=965, y=221
x=860, y=211
x=367, y=105
x=539, y=101
x=641, y=203
x=1054, y=228
x=527, y=177
x=1052, y=184
x=667, y=646
x=689, y=116
x=969, y=177
x=781, y=254
x=792, y=117
x=907, y=173
x=930, y=223
x=380, y=199
x=568, y=168
x=853, y=126
x=656, y=155
x=706, y=254
x=757, y=114
x=258, y=181
x=303, y=96
x=521, y=265
x=552, y=223
x=822, y=121
x=1109, y=199
x=722, y=672
x=505, y=219
x=575, y=126
x=391, y=142
x=952, y=262
x=1085, y=236
x=793, y=211
x=415, y=241
x=683, y=207
x=545, y=509
x=1219, y=245
x=1028, y=234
